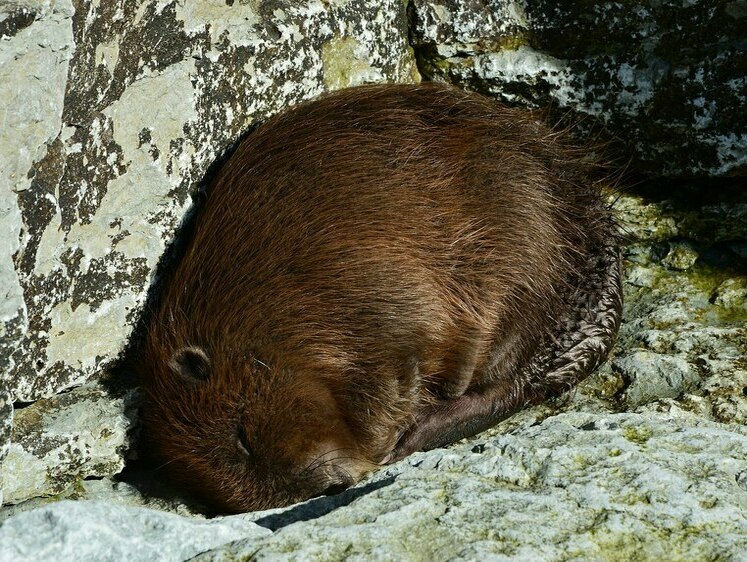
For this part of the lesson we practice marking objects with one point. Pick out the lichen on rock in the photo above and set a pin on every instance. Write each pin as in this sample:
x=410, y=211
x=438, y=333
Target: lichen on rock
x=58, y=441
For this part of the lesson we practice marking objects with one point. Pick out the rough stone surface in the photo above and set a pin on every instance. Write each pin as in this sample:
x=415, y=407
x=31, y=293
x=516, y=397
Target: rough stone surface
x=6, y=425
x=576, y=486
x=683, y=343
x=56, y=442
x=31, y=117
x=670, y=80
x=79, y=530
x=139, y=97
x=30, y=114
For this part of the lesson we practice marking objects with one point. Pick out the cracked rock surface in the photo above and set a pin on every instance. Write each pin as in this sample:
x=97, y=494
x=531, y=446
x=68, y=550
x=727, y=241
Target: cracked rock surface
x=576, y=486
x=58, y=441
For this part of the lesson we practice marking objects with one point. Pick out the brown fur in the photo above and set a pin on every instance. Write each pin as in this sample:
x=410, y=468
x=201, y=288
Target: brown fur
x=380, y=270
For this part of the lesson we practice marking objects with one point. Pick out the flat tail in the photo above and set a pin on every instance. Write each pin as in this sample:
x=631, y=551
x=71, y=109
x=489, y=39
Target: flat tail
x=587, y=330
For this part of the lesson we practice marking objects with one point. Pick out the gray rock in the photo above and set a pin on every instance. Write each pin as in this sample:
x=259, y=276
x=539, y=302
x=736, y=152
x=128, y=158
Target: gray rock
x=140, y=98
x=6, y=424
x=669, y=80
x=681, y=256
x=101, y=532
x=108, y=489
x=732, y=293
x=56, y=442
x=575, y=487
x=30, y=114
x=684, y=335
x=652, y=376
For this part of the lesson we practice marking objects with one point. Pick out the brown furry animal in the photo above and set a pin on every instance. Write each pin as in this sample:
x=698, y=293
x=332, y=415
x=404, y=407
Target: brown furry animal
x=381, y=270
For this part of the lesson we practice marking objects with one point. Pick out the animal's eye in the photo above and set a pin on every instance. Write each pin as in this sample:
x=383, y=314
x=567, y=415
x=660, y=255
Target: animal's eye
x=242, y=442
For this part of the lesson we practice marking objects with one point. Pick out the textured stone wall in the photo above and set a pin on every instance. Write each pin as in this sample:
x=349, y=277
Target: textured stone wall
x=112, y=112
x=666, y=78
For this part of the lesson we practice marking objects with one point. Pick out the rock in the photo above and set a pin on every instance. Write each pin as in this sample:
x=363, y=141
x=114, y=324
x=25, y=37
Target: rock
x=31, y=116
x=100, y=531
x=56, y=442
x=6, y=425
x=684, y=334
x=668, y=80
x=732, y=293
x=108, y=489
x=681, y=256
x=652, y=376
x=577, y=485
x=120, y=109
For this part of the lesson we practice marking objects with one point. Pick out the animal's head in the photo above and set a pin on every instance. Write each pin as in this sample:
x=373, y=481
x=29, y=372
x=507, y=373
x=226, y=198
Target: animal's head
x=245, y=436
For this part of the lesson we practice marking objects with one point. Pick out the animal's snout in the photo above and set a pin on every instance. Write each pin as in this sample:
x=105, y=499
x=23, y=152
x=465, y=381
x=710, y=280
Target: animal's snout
x=335, y=468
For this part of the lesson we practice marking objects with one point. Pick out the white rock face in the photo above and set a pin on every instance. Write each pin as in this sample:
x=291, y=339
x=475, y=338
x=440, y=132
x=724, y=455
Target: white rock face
x=56, y=442
x=107, y=532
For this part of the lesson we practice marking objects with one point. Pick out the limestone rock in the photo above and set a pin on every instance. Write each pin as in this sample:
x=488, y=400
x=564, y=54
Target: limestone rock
x=651, y=376
x=577, y=485
x=101, y=531
x=6, y=425
x=56, y=442
x=670, y=80
x=683, y=339
x=31, y=114
x=732, y=293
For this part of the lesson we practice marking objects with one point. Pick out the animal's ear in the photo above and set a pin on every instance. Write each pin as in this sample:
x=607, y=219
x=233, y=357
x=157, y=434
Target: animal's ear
x=191, y=363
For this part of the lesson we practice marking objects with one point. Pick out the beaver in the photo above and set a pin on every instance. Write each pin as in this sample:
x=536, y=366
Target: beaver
x=385, y=269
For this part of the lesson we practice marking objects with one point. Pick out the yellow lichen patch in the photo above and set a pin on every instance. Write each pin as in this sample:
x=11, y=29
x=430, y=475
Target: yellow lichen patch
x=346, y=63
